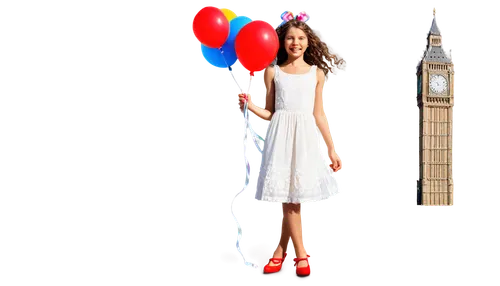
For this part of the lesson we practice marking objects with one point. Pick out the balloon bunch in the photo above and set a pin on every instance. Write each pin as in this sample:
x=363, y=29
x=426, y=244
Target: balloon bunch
x=225, y=38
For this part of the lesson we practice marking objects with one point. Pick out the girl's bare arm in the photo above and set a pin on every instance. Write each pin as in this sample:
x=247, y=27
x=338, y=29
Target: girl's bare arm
x=266, y=113
x=319, y=113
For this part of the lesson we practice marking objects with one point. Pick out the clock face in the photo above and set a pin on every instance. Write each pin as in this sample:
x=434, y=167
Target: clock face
x=438, y=83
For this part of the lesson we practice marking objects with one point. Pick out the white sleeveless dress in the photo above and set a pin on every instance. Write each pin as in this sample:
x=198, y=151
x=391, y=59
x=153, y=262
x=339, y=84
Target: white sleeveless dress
x=293, y=169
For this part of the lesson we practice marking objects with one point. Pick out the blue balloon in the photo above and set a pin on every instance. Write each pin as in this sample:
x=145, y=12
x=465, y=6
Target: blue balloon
x=214, y=56
x=235, y=26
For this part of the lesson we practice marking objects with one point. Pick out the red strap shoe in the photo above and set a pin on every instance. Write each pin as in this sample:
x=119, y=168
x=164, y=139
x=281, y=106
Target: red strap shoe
x=278, y=269
x=302, y=271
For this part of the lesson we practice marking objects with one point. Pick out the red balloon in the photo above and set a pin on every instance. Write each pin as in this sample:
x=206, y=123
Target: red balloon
x=211, y=27
x=256, y=45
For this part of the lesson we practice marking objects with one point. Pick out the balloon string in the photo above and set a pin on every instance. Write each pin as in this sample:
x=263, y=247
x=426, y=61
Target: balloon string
x=230, y=69
x=248, y=135
x=239, y=230
x=238, y=85
x=249, y=90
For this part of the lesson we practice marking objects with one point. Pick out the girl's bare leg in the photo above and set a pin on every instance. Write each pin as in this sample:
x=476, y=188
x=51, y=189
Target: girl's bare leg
x=285, y=237
x=292, y=216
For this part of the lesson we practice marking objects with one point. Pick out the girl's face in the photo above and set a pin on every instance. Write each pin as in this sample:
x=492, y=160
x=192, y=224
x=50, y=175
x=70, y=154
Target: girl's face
x=295, y=42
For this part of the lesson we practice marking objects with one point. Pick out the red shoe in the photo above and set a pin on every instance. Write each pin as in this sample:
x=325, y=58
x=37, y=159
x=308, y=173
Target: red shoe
x=279, y=269
x=302, y=271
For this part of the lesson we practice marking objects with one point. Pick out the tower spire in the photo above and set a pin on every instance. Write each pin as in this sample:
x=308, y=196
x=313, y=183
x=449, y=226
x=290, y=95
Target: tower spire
x=434, y=51
x=434, y=28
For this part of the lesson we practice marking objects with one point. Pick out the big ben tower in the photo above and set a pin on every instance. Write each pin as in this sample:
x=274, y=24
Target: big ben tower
x=435, y=102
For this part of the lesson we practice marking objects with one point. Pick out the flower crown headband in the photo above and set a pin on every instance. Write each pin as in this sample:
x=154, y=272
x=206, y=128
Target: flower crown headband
x=287, y=16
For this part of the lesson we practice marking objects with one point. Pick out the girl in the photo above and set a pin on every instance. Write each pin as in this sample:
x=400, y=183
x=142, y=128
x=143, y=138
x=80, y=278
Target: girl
x=292, y=170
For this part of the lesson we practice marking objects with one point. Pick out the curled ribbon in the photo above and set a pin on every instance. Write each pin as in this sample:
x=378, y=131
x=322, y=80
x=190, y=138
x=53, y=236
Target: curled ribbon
x=287, y=16
x=249, y=135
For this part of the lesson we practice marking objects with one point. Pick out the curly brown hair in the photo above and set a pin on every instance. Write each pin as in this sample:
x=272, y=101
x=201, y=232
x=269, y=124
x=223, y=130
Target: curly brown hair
x=315, y=52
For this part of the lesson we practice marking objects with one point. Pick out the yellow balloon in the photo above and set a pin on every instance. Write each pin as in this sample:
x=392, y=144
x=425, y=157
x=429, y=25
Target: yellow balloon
x=228, y=13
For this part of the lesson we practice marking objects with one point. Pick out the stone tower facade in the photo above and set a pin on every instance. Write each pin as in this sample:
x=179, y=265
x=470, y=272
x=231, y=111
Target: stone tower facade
x=435, y=103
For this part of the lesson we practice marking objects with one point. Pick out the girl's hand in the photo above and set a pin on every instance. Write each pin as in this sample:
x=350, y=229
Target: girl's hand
x=336, y=163
x=240, y=101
